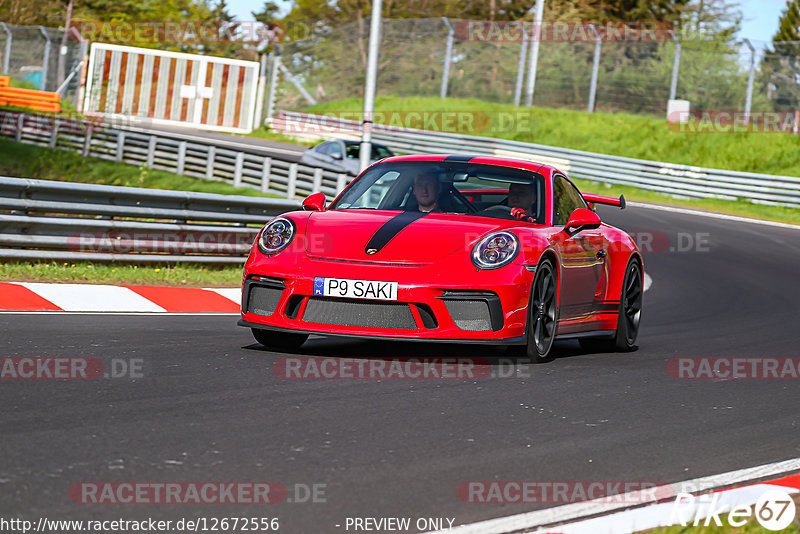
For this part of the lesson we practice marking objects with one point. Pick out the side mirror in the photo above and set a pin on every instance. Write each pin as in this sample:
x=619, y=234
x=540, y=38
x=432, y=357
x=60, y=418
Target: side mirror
x=582, y=219
x=336, y=155
x=315, y=202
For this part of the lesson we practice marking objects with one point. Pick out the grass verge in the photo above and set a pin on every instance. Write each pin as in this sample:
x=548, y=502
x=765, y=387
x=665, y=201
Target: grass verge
x=264, y=133
x=621, y=134
x=97, y=273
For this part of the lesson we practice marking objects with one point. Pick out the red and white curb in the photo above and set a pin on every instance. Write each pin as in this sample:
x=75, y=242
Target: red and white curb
x=37, y=297
x=613, y=515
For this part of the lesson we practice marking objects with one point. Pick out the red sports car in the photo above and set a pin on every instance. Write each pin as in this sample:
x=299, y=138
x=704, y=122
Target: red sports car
x=411, y=251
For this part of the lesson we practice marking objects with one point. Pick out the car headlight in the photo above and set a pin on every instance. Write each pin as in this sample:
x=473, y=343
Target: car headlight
x=495, y=250
x=276, y=235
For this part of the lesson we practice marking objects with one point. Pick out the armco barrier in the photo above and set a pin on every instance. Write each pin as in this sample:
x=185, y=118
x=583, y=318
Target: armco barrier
x=669, y=178
x=41, y=219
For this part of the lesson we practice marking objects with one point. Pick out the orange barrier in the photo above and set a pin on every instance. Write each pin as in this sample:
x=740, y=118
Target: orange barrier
x=28, y=98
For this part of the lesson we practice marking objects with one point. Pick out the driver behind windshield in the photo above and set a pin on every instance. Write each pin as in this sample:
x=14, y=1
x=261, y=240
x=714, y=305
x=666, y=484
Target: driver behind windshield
x=522, y=201
x=426, y=190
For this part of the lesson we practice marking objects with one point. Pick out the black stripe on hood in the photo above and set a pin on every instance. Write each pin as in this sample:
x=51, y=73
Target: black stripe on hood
x=391, y=228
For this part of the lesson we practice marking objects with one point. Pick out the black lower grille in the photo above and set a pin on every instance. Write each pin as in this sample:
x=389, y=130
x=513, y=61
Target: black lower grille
x=357, y=313
x=263, y=300
x=472, y=315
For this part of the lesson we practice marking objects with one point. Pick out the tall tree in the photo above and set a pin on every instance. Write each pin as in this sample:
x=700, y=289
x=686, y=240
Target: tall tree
x=63, y=57
x=666, y=11
x=718, y=19
x=269, y=17
x=789, y=23
x=31, y=12
x=781, y=65
x=334, y=13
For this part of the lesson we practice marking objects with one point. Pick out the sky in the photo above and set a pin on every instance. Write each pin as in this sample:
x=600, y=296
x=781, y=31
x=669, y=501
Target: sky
x=242, y=8
x=760, y=16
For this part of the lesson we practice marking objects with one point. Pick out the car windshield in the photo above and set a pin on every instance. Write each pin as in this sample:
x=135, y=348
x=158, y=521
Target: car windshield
x=447, y=187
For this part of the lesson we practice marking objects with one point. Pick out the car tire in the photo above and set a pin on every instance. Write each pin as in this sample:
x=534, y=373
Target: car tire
x=279, y=340
x=542, y=313
x=628, y=316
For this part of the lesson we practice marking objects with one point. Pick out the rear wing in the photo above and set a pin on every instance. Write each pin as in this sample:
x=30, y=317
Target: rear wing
x=609, y=201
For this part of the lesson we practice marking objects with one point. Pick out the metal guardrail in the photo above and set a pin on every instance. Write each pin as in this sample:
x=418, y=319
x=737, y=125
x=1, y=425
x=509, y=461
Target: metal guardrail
x=69, y=221
x=668, y=178
x=239, y=164
x=42, y=219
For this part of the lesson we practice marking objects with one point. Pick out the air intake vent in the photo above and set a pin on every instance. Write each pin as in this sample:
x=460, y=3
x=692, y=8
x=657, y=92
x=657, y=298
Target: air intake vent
x=472, y=315
x=356, y=313
x=263, y=300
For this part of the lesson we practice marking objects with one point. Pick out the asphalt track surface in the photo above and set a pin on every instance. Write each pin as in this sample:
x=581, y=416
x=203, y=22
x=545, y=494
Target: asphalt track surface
x=209, y=408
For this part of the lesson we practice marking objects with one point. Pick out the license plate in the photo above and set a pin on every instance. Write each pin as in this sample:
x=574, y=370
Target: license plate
x=355, y=289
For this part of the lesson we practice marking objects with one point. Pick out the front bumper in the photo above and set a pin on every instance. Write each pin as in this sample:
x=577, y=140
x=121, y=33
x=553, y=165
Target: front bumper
x=453, y=303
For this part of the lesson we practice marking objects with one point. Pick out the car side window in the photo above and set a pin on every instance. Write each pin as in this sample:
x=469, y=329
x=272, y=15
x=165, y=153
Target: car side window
x=566, y=199
x=353, y=151
x=380, y=152
x=335, y=150
x=324, y=148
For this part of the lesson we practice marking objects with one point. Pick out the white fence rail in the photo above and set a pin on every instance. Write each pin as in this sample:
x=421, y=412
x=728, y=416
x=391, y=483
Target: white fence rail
x=242, y=166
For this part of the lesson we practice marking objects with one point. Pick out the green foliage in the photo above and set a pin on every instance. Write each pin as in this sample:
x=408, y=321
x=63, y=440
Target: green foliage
x=789, y=23
x=268, y=14
x=623, y=10
x=189, y=275
x=334, y=13
x=619, y=134
x=715, y=19
x=32, y=12
x=778, y=69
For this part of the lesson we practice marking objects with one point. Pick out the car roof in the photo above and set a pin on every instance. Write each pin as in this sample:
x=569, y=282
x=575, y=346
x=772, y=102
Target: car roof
x=483, y=160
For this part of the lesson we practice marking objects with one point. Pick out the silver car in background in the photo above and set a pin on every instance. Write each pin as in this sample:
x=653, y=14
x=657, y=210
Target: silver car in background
x=342, y=156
